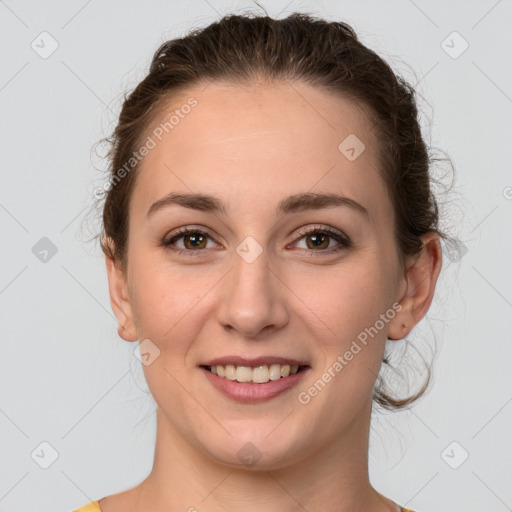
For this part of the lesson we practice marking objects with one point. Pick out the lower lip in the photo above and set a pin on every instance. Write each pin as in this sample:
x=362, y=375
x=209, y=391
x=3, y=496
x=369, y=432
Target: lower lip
x=248, y=392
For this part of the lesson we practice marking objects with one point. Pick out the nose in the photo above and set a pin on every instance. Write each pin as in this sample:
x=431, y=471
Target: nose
x=253, y=297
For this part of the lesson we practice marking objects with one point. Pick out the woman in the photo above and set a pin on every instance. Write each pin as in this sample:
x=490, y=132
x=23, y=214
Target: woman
x=269, y=227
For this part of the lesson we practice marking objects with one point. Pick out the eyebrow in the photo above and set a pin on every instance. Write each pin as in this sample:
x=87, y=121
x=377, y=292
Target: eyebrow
x=294, y=203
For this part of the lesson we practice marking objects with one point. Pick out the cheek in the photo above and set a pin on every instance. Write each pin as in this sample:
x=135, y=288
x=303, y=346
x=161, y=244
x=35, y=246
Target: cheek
x=163, y=301
x=351, y=335
x=341, y=301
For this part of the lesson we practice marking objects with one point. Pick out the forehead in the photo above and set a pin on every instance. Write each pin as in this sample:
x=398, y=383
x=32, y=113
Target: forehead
x=226, y=113
x=264, y=141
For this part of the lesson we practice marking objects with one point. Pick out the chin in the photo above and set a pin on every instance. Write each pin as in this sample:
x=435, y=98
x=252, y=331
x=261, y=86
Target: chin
x=258, y=452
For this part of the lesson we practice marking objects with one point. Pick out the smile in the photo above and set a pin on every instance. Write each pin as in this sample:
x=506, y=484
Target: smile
x=253, y=384
x=256, y=375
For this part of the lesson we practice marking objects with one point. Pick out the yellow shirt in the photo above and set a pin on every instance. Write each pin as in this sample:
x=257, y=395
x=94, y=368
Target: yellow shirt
x=94, y=506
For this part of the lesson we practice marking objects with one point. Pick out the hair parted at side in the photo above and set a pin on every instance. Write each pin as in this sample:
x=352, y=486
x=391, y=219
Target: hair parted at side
x=247, y=49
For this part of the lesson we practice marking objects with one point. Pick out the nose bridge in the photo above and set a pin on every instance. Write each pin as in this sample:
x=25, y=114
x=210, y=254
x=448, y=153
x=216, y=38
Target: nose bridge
x=252, y=297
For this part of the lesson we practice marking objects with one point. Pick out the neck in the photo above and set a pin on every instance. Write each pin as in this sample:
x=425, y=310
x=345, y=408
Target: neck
x=335, y=478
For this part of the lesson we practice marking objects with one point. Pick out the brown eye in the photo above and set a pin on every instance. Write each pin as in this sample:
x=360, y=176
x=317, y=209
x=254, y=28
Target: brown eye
x=319, y=239
x=194, y=240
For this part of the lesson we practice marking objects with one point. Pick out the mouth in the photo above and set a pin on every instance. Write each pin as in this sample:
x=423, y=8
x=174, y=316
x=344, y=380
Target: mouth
x=254, y=380
x=260, y=374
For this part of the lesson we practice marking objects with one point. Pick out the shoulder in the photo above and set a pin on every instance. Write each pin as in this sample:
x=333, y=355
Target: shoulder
x=94, y=506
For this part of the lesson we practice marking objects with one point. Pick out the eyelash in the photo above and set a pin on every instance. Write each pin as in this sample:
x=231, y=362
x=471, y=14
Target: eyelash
x=343, y=240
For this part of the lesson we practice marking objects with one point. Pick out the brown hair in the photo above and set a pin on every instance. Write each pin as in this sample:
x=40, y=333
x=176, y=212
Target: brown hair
x=243, y=49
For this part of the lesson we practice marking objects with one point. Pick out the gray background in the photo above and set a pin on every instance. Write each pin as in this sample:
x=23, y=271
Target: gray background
x=67, y=379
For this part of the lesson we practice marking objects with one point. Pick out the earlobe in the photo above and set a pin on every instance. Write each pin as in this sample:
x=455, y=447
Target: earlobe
x=420, y=281
x=120, y=301
x=126, y=334
x=398, y=330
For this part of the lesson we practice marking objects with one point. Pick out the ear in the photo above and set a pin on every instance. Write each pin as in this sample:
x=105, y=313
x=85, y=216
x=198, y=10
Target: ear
x=418, y=286
x=120, y=301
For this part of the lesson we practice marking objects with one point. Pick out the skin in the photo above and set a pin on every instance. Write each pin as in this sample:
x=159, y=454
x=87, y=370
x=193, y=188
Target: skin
x=252, y=147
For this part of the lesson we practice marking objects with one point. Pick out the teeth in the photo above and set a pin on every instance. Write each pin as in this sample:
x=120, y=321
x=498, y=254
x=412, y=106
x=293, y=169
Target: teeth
x=243, y=374
x=275, y=371
x=230, y=372
x=258, y=375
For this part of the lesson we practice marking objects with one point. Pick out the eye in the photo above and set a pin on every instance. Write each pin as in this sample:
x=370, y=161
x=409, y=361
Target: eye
x=194, y=241
x=318, y=240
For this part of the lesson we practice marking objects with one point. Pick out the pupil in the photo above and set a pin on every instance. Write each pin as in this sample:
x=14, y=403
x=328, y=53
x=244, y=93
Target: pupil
x=194, y=239
x=318, y=239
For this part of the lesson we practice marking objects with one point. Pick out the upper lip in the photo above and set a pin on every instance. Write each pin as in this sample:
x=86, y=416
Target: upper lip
x=257, y=361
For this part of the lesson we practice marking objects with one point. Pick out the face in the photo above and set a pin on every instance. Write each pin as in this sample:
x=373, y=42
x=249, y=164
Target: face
x=266, y=277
